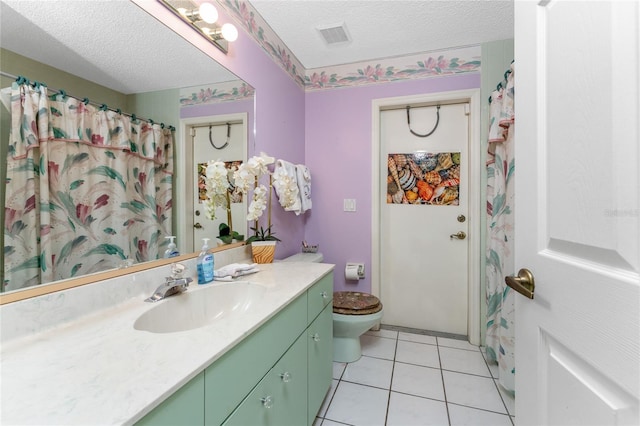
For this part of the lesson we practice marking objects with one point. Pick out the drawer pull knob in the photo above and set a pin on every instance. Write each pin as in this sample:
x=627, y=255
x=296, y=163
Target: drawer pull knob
x=315, y=337
x=286, y=377
x=324, y=294
x=267, y=401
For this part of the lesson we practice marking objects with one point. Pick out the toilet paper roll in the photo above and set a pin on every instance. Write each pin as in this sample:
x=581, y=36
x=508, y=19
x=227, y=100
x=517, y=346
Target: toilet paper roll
x=351, y=272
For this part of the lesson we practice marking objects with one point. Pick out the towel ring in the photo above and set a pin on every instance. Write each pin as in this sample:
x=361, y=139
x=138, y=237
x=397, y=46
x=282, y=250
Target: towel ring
x=434, y=127
x=228, y=137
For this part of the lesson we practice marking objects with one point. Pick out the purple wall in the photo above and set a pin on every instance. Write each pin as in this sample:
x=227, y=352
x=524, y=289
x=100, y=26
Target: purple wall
x=338, y=132
x=329, y=130
x=279, y=110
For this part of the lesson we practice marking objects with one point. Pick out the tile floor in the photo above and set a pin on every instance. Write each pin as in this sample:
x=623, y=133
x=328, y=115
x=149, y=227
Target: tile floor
x=406, y=379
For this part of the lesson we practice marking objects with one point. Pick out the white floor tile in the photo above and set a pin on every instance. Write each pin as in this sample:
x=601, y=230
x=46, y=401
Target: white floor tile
x=338, y=369
x=467, y=416
x=378, y=347
x=327, y=422
x=418, y=338
x=328, y=398
x=359, y=392
x=508, y=398
x=358, y=405
x=369, y=371
x=473, y=391
x=455, y=343
x=417, y=380
x=408, y=410
x=463, y=361
x=389, y=334
x=418, y=353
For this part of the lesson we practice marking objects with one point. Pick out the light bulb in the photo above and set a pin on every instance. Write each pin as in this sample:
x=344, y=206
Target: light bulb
x=208, y=13
x=229, y=32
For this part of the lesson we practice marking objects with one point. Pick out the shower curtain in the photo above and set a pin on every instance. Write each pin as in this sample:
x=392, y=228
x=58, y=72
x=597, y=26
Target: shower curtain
x=500, y=337
x=87, y=188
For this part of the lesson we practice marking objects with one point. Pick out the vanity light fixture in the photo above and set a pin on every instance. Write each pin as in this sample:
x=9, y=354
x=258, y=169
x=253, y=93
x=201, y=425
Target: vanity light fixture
x=203, y=19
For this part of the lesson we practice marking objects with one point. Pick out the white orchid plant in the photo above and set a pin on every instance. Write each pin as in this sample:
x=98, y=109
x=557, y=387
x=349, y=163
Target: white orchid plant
x=217, y=188
x=246, y=178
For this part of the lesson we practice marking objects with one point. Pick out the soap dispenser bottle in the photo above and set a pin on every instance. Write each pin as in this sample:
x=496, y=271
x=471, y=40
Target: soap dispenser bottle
x=205, y=263
x=172, y=250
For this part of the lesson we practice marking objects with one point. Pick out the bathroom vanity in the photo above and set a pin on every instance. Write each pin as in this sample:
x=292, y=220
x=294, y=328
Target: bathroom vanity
x=271, y=364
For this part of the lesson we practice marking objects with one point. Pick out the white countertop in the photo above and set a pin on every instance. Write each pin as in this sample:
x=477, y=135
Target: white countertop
x=100, y=370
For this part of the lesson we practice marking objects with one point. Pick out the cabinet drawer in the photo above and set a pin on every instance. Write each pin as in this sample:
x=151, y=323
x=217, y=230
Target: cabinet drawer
x=233, y=376
x=320, y=352
x=319, y=296
x=280, y=399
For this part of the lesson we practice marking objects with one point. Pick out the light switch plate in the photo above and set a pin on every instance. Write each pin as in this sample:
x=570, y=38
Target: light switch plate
x=349, y=205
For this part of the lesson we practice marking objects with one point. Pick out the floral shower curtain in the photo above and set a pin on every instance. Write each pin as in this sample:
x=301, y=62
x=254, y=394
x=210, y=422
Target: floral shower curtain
x=87, y=188
x=500, y=338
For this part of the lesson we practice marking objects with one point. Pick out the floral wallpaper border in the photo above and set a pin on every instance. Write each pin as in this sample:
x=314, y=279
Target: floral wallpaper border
x=424, y=65
x=215, y=93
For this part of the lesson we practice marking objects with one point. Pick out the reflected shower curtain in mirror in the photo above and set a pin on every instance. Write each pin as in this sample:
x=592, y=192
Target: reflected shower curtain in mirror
x=87, y=188
x=500, y=337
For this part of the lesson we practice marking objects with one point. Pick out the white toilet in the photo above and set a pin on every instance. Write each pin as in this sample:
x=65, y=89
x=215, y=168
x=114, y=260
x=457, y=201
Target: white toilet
x=353, y=314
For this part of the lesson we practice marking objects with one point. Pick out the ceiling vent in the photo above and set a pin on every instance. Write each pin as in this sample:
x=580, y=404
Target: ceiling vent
x=334, y=34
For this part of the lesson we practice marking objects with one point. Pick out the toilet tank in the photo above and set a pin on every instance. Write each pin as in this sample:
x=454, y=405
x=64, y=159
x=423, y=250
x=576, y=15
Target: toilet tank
x=305, y=257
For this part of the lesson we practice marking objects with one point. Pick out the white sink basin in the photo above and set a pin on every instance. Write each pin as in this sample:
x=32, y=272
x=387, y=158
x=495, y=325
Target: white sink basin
x=200, y=307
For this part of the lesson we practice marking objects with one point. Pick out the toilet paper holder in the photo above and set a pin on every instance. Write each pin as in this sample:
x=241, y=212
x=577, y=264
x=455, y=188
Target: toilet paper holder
x=354, y=271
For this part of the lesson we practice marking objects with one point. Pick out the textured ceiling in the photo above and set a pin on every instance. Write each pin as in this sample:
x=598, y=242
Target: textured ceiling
x=118, y=45
x=384, y=28
x=110, y=42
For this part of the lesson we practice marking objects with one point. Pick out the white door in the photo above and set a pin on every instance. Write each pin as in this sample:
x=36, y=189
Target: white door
x=577, y=212
x=216, y=140
x=424, y=261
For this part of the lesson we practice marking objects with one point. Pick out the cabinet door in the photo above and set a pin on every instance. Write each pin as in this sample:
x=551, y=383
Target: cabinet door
x=280, y=399
x=232, y=377
x=184, y=407
x=320, y=347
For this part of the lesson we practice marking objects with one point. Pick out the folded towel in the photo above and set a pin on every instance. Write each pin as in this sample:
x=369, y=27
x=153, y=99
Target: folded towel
x=304, y=185
x=234, y=270
x=286, y=185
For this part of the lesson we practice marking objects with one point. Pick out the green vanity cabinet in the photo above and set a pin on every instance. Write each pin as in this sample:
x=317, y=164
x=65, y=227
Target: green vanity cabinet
x=229, y=379
x=278, y=375
x=185, y=407
x=320, y=365
x=280, y=399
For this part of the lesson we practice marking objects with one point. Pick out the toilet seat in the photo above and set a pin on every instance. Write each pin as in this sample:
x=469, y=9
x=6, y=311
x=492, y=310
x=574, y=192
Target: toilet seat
x=355, y=303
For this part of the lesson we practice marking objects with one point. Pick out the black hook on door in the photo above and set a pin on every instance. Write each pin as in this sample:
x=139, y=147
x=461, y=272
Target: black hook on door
x=228, y=137
x=434, y=127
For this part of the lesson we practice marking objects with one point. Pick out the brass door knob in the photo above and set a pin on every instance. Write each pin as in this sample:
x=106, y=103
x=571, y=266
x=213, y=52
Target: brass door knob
x=197, y=225
x=523, y=283
x=460, y=235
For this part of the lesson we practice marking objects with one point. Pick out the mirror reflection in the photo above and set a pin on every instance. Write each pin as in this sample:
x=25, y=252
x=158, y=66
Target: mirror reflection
x=111, y=181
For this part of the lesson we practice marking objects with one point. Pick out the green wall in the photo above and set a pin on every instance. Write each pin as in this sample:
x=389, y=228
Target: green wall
x=162, y=107
x=496, y=59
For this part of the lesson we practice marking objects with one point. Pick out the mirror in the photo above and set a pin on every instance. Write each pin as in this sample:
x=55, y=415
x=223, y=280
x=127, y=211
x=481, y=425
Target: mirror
x=143, y=66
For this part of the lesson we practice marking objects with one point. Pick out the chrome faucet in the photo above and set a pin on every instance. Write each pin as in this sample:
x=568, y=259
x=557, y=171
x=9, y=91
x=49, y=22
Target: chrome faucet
x=174, y=284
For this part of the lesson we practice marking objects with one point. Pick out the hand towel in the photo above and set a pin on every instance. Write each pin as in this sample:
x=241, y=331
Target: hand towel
x=304, y=185
x=234, y=270
x=286, y=185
